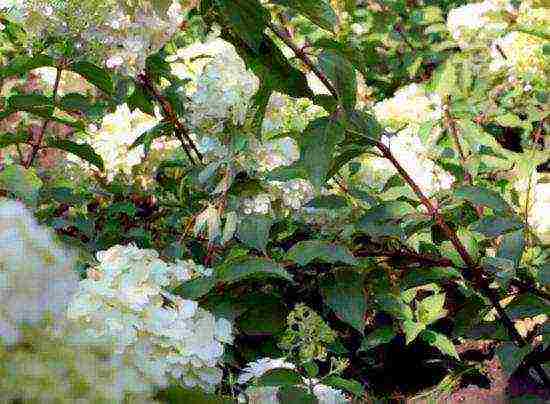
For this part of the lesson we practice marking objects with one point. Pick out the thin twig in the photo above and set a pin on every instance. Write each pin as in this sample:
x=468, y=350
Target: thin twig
x=38, y=142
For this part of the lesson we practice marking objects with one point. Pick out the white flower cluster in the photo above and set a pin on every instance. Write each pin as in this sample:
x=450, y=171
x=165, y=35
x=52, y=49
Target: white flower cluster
x=477, y=23
x=220, y=88
x=276, y=153
x=119, y=32
x=123, y=303
x=113, y=139
x=538, y=211
x=37, y=275
x=259, y=204
x=407, y=110
x=294, y=193
x=256, y=369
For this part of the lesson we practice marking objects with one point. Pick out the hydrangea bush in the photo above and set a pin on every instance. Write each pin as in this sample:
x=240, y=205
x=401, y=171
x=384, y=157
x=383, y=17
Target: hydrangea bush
x=271, y=201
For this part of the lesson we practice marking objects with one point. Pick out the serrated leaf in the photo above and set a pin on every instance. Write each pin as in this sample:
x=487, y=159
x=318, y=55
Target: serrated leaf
x=483, y=196
x=381, y=335
x=346, y=296
x=412, y=329
x=95, y=75
x=318, y=11
x=304, y=252
x=251, y=268
x=253, y=230
x=280, y=377
x=351, y=386
x=318, y=143
x=430, y=309
x=23, y=183
x=327, y=202
x=81, y=150
x=342, y=76
x=493, y=226
x=441, y=342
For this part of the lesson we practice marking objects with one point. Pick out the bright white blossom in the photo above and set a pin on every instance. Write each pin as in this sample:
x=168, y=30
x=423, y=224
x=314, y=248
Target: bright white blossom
x=294, y=193
x=37, y=275
x=122, y=302
x=276, y=153
x=538, y=212
x=263, y=365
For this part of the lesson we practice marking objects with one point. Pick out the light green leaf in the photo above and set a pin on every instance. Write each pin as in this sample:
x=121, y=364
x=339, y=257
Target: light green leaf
x=430, y=309
x=280, y=377
x=230, y=227
x=509, y=120
x=412, y=329
x=21, y=182
x=304, y=252
x=251, y=268
x=23, y=64
x=441, y=342
x=351, y=386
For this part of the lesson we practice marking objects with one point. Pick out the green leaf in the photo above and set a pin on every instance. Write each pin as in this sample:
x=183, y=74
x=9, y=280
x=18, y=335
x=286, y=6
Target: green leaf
x=344, y=293
x=9, y=139
x=251, y=268
x=483, y=196
x=512, y=246
x=147, y=137
x=280, y=377
x=23, y=64
x=527, y=305
x=264, y=319
x=511, y=356
x=412, y=329
x=493, y=226
x=142, y=100
x=95, y=75
x=23, y=183
x=75, y=102
x=304, y=252
x=441, y=342
x=318, y=143
x=318, y=11
x=342, y=76
x=247, y=18
x=351, y=386
x=430, y=309
x=502, y=268
x=509, y=120
x=35, y=103
x=381, y=335
x=82, y=150
x=295, y=395
x=176, y=395
x=365, y=124
x=196, y=288
x=395, y=306
x=327, y=202
x=253, y=230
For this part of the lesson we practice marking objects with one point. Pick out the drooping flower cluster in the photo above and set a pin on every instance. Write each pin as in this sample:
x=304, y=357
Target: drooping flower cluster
x=118, y=131
x=37, y=276
x=123, y=302
x=120, y=33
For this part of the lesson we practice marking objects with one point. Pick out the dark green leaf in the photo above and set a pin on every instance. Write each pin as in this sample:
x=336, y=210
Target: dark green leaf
x=264, y=319
x=196, y=288
x=511, y=356
x=527, y=305
x=381, y=335
x=23, y=64
x=296, y=395
x=348, y=385
x=280, y=377
x=142, y=100
x=512, y=246
x=82, y=150
x=304, y=252
x=177, y=395
x=251, y=268
x=342, y=76
x=95, y=75
x=36, y=103
x=75, y=102
x=493, y=226
x=147, y=137
x=327, y=202
x=318, y=144
x=9, y=139
x=318, y=11
x=344, y=293
x=482, y=196
x=253, y=230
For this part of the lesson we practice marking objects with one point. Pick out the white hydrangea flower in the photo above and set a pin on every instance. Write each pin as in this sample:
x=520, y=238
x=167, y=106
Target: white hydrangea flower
x=539, y=206
x=107, y=30
x=294, y=193
x=523, y=55
x=473, y=23
x=409, y=105
x=123, y=303
x=260, y=204
x=37, y=275
x=118, y=131
x=259, y=367
x=276, y=153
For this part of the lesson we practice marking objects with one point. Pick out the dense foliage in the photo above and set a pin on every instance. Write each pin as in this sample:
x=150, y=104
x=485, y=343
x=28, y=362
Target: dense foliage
x=318, y=201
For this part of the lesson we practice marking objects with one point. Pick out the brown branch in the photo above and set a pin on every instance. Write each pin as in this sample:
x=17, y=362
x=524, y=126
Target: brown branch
x=181, y=132
x=38, y=142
